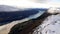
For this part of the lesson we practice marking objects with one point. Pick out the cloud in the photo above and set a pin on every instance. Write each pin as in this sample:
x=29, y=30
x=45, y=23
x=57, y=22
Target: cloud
x=29, y=3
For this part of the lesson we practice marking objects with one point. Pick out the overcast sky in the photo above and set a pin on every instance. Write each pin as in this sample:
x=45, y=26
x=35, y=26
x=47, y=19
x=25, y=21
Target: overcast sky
x=31, y=3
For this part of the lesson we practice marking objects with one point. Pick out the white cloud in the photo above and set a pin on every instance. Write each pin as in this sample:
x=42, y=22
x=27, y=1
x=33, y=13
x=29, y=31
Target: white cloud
x=27, y=4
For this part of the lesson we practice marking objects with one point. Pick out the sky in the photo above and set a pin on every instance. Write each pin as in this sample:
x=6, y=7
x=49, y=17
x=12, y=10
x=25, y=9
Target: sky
x=56, y=1
x=31, y=3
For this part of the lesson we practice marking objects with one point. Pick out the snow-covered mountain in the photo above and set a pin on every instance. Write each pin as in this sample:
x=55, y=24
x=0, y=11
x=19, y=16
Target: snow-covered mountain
x=51, y=25
x=8, y=8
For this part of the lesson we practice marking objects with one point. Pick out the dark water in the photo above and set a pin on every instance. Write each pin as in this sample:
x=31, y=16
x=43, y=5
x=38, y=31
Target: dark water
x=6, y=17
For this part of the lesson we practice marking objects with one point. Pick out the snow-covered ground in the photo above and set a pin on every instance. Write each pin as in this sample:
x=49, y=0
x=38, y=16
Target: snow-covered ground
x=51, y=25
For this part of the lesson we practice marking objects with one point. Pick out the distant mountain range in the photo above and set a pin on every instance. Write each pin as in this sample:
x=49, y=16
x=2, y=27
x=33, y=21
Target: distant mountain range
x=8, y=8
x=9, y=14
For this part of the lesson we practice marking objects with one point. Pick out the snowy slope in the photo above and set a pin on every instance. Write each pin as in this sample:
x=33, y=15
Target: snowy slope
x=51, y=25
